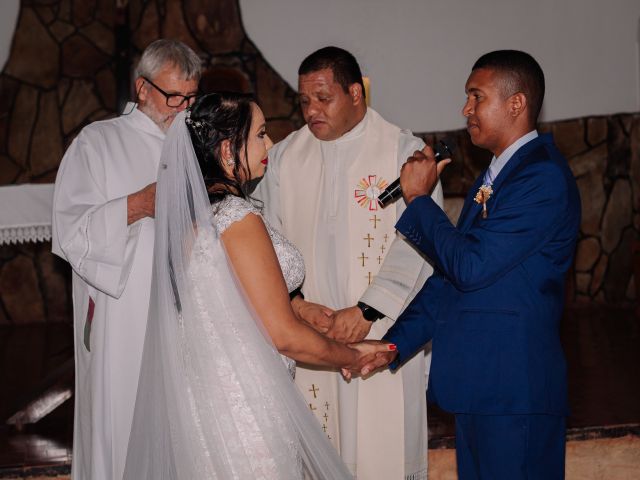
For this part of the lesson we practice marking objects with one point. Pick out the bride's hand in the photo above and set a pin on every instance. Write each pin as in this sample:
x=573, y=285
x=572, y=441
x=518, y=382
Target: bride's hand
x=316, y=316
x=349, y=325
x=372, y=354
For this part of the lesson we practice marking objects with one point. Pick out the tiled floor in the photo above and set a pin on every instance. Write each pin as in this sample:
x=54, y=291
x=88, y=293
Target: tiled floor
x=602, y=349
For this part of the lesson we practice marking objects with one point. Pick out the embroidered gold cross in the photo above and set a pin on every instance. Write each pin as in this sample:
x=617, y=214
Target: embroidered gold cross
x=324, y=428
x=325, y=416
x=368, y=238
x=379, y=259
x=382, y=248
x=363, y=258
x=386, y=237
x=314, y=389
x=326, y=405
x=369, y=277
x=375, y=220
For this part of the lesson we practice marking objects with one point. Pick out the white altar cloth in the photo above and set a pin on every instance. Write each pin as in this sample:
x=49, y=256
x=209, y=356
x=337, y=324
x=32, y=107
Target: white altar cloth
x=25, y=213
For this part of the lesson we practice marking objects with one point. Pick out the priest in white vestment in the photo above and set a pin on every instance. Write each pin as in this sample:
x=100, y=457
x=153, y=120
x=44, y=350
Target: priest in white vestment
x=104, y=203
x=320, y=190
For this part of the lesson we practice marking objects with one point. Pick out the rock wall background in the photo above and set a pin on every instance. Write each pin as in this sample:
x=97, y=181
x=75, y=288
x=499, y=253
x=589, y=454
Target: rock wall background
x=61, y=75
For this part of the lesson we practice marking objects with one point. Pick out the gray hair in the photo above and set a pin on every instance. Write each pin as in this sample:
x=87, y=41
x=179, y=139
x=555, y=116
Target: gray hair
x=173, y=52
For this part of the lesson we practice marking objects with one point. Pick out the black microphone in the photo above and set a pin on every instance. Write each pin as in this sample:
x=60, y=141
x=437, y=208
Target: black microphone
x=394, y=191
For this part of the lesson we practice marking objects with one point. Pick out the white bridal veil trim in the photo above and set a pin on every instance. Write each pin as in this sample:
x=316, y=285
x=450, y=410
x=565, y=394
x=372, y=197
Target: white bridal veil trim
x=215, y=400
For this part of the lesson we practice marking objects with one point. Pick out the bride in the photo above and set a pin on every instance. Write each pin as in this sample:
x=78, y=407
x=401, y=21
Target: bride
x=216, y=398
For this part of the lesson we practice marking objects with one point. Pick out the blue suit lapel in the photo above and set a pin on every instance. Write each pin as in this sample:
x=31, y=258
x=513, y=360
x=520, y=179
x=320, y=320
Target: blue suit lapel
x=471, y=208
x=516, y=160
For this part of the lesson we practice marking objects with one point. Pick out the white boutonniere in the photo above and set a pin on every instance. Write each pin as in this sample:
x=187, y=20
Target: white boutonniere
x=483, y=196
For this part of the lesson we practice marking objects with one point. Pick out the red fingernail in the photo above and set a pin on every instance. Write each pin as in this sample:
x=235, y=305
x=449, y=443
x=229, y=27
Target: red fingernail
x=392, y=347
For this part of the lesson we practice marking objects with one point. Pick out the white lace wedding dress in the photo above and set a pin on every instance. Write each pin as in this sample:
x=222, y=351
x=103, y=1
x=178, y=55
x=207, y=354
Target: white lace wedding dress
x=233, y=209
x=214, y=399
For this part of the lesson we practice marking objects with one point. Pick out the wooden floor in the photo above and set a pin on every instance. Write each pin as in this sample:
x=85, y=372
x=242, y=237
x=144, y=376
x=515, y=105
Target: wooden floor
x=602, y=349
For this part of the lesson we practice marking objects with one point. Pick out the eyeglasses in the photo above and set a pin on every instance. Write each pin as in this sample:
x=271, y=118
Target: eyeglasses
x=174, y=100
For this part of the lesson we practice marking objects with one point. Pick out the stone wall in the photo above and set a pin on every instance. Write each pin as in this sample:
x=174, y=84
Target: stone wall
x=61, y=75
x=61, y=72
x=35, y=285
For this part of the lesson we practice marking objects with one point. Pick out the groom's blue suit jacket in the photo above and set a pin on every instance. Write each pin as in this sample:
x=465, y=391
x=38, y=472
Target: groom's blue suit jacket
x=494, y=302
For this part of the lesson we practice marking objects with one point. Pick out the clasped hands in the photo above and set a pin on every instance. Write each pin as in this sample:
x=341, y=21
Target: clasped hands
x=347, y=326
x=372, y=355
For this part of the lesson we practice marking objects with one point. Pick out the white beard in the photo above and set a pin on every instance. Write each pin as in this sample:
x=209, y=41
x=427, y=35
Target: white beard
x=163, y=121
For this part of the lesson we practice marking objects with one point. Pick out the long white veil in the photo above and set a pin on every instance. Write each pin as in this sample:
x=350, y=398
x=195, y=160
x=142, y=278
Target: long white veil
x=215, y=400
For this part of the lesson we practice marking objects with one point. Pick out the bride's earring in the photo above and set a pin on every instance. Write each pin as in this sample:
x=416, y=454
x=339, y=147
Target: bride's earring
x=227, y=155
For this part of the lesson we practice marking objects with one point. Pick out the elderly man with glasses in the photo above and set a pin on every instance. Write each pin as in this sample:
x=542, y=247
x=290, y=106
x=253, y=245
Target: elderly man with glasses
x=174, y=102
x=103, y=226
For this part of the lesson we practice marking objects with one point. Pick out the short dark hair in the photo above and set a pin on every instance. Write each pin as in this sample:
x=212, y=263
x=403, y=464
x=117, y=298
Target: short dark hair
x=213, y=118
x=520, y=74
x=343, y=64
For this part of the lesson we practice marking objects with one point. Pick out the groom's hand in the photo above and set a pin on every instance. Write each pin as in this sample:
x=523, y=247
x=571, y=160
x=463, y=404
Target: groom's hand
x=419, y=175
x=316, y=316
x=373, y=354
x=349, y=325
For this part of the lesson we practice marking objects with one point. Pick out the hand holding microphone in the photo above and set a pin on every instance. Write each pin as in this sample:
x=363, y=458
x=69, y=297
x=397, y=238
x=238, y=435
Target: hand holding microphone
x=419, y=174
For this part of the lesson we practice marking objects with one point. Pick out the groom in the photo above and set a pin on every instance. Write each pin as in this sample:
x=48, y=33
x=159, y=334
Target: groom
x=495, y=300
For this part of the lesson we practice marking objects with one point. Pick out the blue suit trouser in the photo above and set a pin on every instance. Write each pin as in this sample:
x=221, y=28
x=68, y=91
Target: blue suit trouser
x=510, y=447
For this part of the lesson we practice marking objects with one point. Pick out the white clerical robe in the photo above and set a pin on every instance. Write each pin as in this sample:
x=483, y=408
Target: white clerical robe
x=379, y=424
x=112, y=265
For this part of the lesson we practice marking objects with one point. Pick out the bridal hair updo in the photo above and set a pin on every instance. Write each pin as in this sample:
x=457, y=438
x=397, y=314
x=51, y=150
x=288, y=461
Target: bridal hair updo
x=213, y=118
